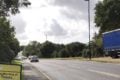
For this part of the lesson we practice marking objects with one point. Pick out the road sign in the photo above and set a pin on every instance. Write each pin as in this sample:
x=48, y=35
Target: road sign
x=10, y=72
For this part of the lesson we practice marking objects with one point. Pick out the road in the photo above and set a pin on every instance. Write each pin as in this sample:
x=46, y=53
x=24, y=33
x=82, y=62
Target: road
x=78, y=70
x=31, y=73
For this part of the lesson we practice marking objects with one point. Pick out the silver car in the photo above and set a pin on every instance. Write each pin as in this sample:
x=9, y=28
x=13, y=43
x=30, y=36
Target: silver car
x=34, y=59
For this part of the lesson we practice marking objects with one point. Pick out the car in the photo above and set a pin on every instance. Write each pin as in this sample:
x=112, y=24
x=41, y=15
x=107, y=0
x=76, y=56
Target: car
x=34, y=59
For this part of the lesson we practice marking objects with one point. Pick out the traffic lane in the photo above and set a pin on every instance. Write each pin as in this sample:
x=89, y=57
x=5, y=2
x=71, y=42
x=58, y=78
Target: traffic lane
x=107, y=67
x=75, y=70
x=69, y=69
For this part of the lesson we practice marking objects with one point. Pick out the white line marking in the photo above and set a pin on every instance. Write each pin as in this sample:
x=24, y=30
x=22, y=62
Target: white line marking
x=46, y=75
x=105, y=73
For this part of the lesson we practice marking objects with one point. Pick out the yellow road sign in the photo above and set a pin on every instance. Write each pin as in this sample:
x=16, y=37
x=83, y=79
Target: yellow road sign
x=10, y=72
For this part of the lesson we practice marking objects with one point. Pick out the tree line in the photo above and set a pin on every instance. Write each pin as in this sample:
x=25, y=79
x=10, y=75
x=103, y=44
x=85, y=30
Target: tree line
x=52, y=50
x=9, y=45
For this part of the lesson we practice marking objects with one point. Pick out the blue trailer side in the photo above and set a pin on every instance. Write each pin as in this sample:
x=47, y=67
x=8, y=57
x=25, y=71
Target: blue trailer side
x=111, y=42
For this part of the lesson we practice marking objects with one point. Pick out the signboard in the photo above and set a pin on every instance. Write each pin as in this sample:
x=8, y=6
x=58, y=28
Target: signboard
x=10, y=72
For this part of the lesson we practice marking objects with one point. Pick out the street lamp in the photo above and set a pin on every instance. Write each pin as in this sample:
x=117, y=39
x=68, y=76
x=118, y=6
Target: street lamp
x=89, y=27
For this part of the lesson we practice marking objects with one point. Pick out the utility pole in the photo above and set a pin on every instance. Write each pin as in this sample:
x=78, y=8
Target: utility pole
x=89, y=27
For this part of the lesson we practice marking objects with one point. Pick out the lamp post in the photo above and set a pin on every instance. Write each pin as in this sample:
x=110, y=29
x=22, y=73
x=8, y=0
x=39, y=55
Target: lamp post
x=89, y=27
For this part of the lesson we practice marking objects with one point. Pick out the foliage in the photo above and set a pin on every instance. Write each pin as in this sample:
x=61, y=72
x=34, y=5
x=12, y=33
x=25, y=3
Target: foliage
x=107, y=15
x=9, y=44
x=50, y=50
x=12, y=6
x=75, y=49
x=97, y=46
x=47, y=49
x=64, y=53
x=33, y=48
x=22, y=47
x=6, y=54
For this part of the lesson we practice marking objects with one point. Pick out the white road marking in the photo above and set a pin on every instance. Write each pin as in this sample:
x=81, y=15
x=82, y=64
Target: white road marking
x=105, y=73
x=46, y=76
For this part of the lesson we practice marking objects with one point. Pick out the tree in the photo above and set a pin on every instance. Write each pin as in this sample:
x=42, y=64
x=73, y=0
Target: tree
x=11, y=6
x=63, y=53
x=33, y=48
x=107, y=15
x=22, y=47
x=47, y=49
x=14, y=45
x=6, y=54
x=9, y=44
x=97, y=46
x=52, y=50
x=75, y=49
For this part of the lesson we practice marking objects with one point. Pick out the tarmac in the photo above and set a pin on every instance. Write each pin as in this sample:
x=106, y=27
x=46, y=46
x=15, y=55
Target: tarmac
x=31, y=73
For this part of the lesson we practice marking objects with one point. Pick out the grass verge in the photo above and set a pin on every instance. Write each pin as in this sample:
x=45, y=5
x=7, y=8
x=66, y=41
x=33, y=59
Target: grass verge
x=19, y=63
x=100, y=59
x=106, y=60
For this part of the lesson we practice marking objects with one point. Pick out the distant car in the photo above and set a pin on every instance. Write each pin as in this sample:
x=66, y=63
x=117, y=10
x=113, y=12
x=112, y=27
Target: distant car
x=34, y=59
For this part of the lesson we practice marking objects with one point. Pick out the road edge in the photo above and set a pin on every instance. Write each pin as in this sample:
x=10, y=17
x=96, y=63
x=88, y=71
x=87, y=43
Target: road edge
x=39, y=71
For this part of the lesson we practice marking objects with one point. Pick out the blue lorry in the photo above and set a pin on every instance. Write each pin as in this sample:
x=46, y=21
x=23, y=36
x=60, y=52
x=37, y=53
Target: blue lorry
x=111, y=43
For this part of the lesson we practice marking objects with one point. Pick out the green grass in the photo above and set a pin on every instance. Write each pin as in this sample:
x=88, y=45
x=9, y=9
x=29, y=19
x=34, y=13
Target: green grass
x=100, y=59
x=106, y=60
x=18, y=62
x=22, y=75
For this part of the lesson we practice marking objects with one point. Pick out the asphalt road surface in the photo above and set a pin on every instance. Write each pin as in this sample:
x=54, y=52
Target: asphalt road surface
x=31, y=73
x=77, y=70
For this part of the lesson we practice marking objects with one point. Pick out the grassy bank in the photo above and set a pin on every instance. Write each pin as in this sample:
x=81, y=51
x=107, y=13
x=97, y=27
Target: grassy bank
x=106, y=60
x=100, y=59
x=19, y=63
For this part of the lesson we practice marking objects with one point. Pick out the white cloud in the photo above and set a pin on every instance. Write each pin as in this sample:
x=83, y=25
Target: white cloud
x=18, y=23
x=64, y=21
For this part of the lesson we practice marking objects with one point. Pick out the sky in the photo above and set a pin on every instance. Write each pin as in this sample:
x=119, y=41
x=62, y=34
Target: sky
x=62, y=21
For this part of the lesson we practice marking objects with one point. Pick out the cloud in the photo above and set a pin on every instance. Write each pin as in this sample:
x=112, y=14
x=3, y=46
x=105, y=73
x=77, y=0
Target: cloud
x=80, y=5
x=64, y=21
x=18, y=23
x=76, y=9
x=56, y=29
x=22, y=36
x=20, y=28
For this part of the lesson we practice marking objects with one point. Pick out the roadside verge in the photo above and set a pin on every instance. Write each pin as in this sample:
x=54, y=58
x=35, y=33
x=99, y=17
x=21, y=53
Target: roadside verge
x=100, y=59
